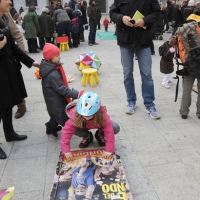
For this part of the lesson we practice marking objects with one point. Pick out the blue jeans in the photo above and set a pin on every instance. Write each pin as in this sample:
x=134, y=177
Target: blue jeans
x=92, y=34
x=144, y=61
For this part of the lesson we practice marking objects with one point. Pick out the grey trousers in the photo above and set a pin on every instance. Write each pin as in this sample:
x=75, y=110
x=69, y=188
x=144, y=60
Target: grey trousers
x=84, y=132
x=188, y=82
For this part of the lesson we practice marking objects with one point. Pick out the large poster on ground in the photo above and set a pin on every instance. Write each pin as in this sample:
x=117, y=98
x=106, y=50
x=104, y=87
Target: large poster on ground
x=90, y=177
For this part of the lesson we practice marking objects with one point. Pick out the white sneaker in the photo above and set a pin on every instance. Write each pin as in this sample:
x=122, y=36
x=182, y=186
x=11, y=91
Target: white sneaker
x=166, y=86
x=130, y=108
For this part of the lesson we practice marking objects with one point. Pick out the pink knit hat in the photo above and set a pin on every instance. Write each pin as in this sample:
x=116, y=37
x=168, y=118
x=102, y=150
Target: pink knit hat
x=50, y=51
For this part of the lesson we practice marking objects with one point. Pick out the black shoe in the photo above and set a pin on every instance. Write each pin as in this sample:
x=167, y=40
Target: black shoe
x=152, y=53
x=100, y=138
x=14, y=137
x=58, y=128
x=184, y=116
x=86, y=141
x=52, y=131
x=2, y=154
x=95, y=43
x=36, y=51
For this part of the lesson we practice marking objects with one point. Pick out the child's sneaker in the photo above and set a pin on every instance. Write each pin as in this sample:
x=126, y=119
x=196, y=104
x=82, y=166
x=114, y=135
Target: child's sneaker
x=153, y=112
x=166, y=86
x=100, y=138
x=130, y=108
x=86, y=141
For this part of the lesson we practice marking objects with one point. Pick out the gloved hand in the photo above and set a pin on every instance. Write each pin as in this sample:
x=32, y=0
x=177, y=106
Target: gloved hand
x=80, y=93
x=172, y=49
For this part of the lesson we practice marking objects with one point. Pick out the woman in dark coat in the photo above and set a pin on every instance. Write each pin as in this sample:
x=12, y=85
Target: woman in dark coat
x=46, y=27
x=12, y=88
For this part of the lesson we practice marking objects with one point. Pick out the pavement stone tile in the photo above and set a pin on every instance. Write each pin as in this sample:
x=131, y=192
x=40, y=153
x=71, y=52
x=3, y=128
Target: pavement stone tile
x=28, y=151
x=146, y=195
x=29, y=195
x=159, y=156
x=173, y=181
x=188, y=155
x=141, y=181
x=27, y=175
x=193, y=168
x=177, y=140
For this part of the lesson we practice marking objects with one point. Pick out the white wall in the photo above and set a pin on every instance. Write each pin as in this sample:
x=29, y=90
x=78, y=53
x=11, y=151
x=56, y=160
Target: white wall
x=19, y=3
x=43, y=3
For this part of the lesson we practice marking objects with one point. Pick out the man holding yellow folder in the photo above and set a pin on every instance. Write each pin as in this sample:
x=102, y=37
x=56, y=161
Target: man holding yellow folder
x=135, y=21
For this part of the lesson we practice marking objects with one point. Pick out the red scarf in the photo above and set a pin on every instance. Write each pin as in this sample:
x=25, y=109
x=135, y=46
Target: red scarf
x=64, y=78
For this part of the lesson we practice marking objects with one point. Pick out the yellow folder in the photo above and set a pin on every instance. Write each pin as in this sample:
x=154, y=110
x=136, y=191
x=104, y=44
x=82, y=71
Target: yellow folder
x=138, y=15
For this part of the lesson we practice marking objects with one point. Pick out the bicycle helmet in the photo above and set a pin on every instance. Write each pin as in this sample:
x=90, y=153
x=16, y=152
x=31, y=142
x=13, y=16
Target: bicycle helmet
x=88, y=104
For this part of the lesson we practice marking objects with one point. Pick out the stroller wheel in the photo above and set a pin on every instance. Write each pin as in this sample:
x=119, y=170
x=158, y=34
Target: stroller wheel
x=160, y=37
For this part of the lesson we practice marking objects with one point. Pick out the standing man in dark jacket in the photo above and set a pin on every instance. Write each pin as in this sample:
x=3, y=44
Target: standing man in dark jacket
x=136, y=38
x=93, y=20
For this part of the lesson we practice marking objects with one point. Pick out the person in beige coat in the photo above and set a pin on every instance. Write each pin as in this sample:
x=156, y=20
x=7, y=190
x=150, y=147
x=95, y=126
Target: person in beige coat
x=17, y=35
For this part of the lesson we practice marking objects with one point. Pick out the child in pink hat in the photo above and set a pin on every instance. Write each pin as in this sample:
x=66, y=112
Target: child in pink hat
x=55, y=88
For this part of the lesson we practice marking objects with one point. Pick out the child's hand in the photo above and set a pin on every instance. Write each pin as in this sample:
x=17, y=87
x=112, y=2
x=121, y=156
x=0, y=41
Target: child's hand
x=106, y=154
x=80, y=93
x=69, y=156
x=172, y=49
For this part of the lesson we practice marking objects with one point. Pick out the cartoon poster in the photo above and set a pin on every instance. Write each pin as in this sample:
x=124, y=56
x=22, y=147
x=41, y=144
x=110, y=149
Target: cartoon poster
x=90, y=177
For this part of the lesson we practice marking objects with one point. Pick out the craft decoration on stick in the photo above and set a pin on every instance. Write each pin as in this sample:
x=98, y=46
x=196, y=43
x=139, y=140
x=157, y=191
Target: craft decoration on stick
x=88, y=60
x=70, y=78
x=7, y=194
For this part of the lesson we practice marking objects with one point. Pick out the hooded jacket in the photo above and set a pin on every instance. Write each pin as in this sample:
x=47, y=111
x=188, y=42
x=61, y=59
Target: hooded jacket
x=166, y=62
x=55, y=91
x=69, y=129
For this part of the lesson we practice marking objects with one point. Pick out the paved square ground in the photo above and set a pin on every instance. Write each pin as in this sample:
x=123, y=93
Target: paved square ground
x=161, y=157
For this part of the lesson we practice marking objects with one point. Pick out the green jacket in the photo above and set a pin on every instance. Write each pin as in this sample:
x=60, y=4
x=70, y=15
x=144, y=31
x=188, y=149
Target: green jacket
x=30, y=25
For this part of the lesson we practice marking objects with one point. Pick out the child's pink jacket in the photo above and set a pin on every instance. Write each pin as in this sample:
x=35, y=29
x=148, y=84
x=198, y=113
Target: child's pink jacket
x=69, y=129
